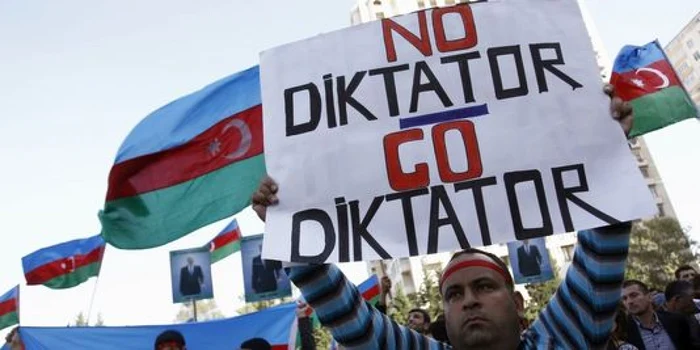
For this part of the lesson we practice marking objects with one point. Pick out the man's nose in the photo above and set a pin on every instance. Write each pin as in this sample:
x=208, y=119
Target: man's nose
x=470, y=300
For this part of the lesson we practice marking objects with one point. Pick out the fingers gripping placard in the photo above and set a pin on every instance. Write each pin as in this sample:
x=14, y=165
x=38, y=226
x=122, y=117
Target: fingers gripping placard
x=442, y=129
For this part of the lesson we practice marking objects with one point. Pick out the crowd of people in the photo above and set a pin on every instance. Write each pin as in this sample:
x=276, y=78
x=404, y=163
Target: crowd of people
x=593, y=308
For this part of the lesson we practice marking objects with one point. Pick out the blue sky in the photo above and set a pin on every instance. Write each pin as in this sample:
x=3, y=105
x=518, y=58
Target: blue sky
x=76, y=76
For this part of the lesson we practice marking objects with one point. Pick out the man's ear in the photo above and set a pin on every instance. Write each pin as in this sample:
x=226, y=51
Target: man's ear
x=519, y=303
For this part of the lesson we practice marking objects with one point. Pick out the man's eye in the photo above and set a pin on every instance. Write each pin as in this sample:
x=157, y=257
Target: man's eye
x=485, y=287
x=452, y=295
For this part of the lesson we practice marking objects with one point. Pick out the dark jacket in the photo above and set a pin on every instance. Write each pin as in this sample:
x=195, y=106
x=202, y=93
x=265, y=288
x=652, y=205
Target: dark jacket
x=529, y=262
x=190, y=283
x=675, y=325
x=265, y=275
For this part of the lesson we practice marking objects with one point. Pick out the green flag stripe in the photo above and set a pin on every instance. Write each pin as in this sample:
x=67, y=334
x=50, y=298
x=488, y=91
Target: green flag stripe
x=9, y=319
x=660, y=109
x=74, y=278
x=225, y=251
x=156, y=218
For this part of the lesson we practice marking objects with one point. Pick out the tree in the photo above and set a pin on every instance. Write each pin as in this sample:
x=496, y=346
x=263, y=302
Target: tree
x=100, y=321
x=428, y=296
x=657, y=248
x=323, y=338
x=262, y=305
x=206, y=310
x=81, y=321
x=401, y=305
x=540, y=293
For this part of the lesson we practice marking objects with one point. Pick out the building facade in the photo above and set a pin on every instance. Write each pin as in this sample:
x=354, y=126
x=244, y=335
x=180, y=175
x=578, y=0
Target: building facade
x=684, y=53
x=408, y=273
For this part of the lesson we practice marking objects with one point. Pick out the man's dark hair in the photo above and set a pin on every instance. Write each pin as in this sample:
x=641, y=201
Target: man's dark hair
x=681, y=269
x=426, y=315
x=256, y=344
x=696, y=282
x=678, y=288
x=642, y=287
x=491, y=256
x=170, y=336
x=438, y=330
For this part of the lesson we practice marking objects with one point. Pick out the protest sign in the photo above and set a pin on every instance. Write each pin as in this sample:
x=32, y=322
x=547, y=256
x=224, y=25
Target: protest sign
x=442, y=129
x=262, y=279
x=529, y=260
x=190, y=273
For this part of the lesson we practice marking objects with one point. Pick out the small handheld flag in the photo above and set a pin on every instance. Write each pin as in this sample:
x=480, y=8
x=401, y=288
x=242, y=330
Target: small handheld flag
x=643, y=76
x=227, y=242
x=65, y=265
x=370, y=289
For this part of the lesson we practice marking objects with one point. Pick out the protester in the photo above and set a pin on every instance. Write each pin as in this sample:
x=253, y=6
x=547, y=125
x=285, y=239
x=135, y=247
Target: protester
x=685, y=273
x=619, y=337
x=13, y=341
x=419, y=321
x=649, y=329
x=306, y=331
x=438, y=330
x=256, y=344
x=679, y=298
x=170, y=340
x=482, y=310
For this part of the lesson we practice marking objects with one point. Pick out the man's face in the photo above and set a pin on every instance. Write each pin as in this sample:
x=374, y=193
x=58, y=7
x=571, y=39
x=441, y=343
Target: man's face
x=416, y=321
x=635, y=300
x=171, y=346
x=687, y=275
x=190, y=261
x=480, y=308
x=682, y=304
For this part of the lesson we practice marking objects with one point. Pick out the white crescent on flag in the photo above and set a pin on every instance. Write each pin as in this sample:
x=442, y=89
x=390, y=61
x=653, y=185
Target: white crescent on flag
x=666, y=82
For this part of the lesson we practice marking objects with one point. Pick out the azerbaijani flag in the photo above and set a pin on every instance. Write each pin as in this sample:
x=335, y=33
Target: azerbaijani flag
x=65, y=265
x=192, y=162
x=227, y=242
x=644, y=76
x=9, y=308
x=370, y=289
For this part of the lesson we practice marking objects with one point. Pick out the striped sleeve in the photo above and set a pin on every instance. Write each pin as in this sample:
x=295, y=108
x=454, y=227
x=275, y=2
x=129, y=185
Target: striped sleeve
x=580, y=314
x=354, y=323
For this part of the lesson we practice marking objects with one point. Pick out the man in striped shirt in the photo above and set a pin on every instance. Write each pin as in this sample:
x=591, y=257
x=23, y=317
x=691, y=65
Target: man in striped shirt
x=481, y=307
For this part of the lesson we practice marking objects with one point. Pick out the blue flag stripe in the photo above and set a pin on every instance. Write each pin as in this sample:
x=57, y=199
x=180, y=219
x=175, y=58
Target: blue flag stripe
x=181, y=120
x=11, y=294
x=633, y=57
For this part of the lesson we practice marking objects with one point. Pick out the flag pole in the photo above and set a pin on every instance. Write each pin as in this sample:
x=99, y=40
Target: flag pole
x=94, y=287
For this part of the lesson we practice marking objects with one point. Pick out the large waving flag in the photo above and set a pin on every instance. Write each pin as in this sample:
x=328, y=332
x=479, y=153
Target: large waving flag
x=227, y=242
x=192, y=162
x=65, y=265
x=9, y=308
x=644, y=76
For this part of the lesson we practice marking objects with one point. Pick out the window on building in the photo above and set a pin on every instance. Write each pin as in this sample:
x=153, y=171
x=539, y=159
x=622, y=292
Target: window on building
x=645, y=171
x=661, y=210
x=696, y=55
x=690, y=43
x=652, y=188
x=568, y=251
x=449, y=2
x=380, y=15
x=433, y=3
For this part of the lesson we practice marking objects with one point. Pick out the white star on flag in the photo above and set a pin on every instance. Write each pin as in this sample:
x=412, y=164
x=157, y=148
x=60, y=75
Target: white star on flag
x=638, y=82
x=215, y=147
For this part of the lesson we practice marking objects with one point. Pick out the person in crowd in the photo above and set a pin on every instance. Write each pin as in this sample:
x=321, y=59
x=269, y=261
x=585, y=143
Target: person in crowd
x=256, y=344
x=482, y=310
x=649, y=329
x=170, y=340
x=679, y=298
x=13, y=341
x=685, y=273
x=306, y=331
x=619, y=337
x=419, y=321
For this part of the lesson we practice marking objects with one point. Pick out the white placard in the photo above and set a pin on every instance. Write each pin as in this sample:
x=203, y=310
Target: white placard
x=439, y=130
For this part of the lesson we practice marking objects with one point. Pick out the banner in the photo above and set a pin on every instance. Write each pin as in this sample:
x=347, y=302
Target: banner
x=442, y=129
x=529, y=260
x=190, y=272
x=262, y=279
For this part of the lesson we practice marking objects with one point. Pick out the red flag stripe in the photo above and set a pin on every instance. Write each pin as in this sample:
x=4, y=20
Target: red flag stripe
x=228, y=237
x=371, y=293
x=8, y=306
x=201, y=155
x=280, y=347
x=627, y=90
x=49, y=271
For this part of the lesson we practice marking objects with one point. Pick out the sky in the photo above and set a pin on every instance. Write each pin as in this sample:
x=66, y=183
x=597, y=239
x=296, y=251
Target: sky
x=76, y=76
